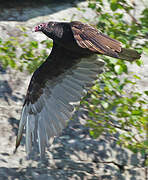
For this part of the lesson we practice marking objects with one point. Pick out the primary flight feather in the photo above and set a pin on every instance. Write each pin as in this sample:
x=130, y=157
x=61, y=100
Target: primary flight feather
x=61, y=81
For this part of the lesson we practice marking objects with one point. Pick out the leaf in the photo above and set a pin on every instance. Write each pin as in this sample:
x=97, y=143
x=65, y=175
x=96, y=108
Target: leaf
x=12, y=63
x=145, y=12
x=137, y=77
x=1, y=40
x=25, y=35
x=145, y=49
x=146, y=162
x=92, y=5
x=34, y=44
x=146, y=92
x=136, y=112
x=104, y=104
x=118, y=69
x=95, y=133
x=22, y=28
x=114, y=6
x=139, y=62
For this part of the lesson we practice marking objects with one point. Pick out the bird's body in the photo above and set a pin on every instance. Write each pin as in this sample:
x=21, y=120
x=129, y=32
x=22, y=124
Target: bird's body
x=60, y=82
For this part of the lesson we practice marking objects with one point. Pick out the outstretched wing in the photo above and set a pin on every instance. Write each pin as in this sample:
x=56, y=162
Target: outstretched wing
x=88, y=37
x=56, y=86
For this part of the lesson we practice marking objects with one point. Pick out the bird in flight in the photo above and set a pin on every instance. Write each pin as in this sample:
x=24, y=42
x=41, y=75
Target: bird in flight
x=63, y=79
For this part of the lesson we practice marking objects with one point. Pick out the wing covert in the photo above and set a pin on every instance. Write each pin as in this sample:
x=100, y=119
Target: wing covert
x=88, y=37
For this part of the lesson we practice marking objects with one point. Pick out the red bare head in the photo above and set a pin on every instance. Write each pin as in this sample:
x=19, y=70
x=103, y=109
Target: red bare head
x=40, y=27
x=50, y=29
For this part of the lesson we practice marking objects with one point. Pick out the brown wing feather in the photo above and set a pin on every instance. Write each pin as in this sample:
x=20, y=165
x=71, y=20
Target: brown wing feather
x=83, y=41
x=112, y=43
x=89, y=37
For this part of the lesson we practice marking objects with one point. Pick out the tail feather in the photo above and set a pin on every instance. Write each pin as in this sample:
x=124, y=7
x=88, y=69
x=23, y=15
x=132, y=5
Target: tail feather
x=129, y=54
x=21, y=127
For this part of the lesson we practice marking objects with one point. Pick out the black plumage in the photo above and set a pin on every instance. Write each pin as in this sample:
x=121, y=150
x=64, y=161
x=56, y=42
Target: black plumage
x=60, y=82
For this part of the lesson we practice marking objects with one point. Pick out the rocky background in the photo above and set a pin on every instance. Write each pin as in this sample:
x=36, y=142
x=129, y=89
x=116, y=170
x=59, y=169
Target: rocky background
x=73, y=155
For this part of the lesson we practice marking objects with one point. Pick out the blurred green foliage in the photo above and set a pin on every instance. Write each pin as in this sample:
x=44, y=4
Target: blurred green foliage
x=111, y=108
x=29, y=57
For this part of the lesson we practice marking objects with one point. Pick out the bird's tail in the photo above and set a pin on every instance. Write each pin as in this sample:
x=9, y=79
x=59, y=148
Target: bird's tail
x=129, y=54
x=20, y=129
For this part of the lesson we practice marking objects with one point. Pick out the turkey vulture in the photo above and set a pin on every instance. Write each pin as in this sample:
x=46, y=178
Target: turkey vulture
x=61, y=81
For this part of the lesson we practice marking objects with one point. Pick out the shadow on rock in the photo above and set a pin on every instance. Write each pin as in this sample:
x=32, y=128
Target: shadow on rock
x=24, y=10
x=6, y=92
x=75, y=155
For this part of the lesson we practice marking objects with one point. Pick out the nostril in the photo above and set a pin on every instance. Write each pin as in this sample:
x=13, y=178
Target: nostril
x=36, y=29
x=39, y=27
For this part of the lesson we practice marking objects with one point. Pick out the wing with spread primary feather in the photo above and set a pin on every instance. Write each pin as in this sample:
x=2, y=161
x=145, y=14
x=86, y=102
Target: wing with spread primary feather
x=55, y=88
